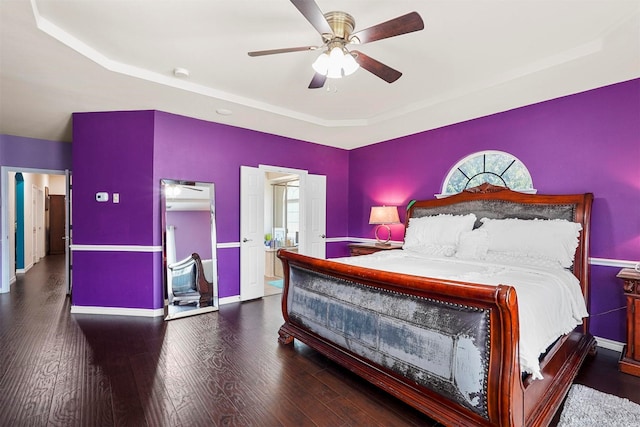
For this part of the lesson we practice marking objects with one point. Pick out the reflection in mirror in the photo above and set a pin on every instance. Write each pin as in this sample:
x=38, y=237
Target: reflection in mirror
x=189, y=246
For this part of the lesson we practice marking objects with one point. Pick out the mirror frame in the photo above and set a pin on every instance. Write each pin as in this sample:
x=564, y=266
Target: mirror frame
x=188, y=310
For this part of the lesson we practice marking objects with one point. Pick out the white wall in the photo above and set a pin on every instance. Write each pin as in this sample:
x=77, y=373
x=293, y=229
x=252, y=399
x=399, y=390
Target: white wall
x=57, y=184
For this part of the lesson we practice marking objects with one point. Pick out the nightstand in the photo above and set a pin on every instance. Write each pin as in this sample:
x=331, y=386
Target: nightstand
x=356, y=249
x=630, y=360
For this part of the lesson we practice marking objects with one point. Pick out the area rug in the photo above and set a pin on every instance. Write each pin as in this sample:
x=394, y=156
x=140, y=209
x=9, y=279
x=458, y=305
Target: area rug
x=277, y=283
x=585, y=407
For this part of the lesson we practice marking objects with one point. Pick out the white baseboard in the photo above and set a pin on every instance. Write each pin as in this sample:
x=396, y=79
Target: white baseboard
x=117, y=311
x=609, y=344
x=140, y=312
x=229, y=300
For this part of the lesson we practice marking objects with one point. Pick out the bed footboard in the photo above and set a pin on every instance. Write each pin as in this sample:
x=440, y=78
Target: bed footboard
x=450, y=356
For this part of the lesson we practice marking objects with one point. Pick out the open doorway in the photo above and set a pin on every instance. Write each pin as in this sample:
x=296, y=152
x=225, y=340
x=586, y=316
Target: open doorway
x=26, y=218
x=281, y=225
x=256, y=222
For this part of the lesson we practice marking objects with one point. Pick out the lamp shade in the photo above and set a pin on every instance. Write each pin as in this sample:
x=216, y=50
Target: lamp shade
x=384, y=215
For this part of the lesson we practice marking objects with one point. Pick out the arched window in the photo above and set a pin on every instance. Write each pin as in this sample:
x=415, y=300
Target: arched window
x=494, y=167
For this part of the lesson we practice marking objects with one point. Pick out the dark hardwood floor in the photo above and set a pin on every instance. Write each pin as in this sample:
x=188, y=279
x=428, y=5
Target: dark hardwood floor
x=224, y=368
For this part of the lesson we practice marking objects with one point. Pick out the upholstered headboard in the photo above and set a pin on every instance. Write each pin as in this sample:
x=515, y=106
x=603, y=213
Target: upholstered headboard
x=497, y=202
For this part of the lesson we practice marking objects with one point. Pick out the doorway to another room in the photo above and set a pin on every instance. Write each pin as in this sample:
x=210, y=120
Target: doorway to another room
x=280, y=208
x=282, y=225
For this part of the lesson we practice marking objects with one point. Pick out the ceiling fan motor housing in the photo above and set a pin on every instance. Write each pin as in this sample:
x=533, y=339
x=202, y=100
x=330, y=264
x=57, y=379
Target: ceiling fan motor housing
x=341, y=23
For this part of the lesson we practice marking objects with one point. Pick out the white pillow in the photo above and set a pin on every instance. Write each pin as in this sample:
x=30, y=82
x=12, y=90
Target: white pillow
x=437, y=235
x=473, y=244
x=553, y=240
x=521, y=259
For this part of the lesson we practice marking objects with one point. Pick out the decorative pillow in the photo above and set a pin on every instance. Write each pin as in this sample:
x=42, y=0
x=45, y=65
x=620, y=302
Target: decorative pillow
x=473, y=244
x=437, y=235
x=552, y=240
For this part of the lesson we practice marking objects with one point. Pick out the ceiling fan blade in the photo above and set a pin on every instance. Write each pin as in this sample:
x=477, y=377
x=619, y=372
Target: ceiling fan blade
x=381, y=70
x=318, y=81
x=285, y=50
x=401, y=25
x=314, y=15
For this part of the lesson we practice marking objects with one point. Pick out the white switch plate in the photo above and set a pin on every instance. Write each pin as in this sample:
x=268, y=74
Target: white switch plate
x=102, y=196
x=116, y=197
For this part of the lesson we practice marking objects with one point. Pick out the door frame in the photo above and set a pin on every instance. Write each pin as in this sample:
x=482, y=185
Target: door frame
x=5, y=286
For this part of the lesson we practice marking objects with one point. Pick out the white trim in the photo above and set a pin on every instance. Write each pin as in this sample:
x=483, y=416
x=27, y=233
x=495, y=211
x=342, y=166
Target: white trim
x=281, y=169
x=363, y=240
x=609, y=344
x=229, y=300
x=228, y=245
x=115, y=248
x=117, y=311
x=607, y=262
x=337, y=239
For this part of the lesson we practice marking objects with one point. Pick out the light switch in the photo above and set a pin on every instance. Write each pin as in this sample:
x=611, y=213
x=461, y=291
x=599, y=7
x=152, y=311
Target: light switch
x=116, y=197
x=102, y=196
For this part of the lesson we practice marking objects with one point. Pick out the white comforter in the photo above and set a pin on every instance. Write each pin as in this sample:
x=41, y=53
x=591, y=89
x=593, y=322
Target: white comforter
x=550, y=301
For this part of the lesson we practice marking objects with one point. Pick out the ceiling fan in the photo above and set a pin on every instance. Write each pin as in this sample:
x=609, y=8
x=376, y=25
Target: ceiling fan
x=336, y=29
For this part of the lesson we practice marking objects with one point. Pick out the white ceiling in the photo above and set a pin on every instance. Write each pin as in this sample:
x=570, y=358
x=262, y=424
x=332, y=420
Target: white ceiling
x=474, y=58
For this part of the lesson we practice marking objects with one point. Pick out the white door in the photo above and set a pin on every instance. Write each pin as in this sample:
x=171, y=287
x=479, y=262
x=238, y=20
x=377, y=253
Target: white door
x=252, y=253
x=315, y=216
x=40, y=239
x=67, y=230
x=34, y=225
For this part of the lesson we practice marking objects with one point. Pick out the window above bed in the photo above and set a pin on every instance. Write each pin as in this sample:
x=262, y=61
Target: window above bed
x=494, y=167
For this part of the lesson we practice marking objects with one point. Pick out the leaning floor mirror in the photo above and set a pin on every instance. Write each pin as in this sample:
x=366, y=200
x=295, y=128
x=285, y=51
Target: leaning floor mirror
x=189, y=247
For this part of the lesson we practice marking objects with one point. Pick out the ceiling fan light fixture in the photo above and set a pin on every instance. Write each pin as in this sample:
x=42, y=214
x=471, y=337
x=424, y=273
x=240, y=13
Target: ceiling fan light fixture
x=349, y=64
x=321, y=64
x=336, y=64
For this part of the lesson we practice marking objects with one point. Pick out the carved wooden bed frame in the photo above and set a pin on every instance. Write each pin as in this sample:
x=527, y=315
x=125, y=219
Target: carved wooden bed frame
x=507, y=398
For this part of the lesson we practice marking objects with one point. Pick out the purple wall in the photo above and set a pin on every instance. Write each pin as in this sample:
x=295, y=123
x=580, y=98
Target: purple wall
x=113, y=152
x=20, y=152
x=589, y=142
x=130, y=152
x=17, y=151
x=197, y=150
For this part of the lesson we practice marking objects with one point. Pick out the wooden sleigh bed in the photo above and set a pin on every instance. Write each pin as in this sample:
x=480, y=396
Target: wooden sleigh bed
x=449, y=348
